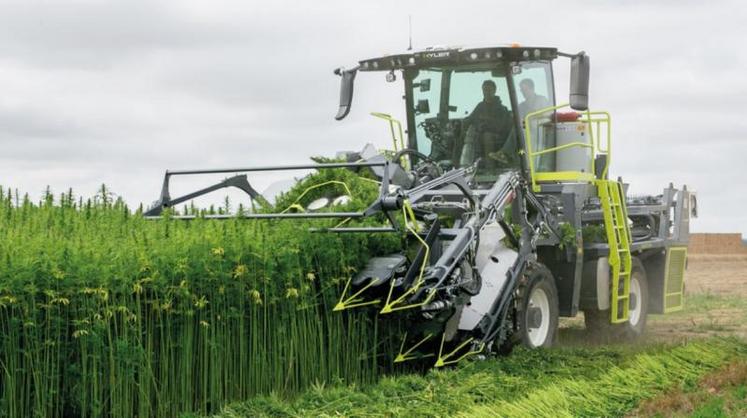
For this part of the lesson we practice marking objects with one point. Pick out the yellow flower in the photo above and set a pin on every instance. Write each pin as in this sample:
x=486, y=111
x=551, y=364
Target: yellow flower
x=291, y=293
x=201, y=302
x=310, y=276
x=58, y=274
x=218, y=251
x=255, y=296
x=240, y=271
x=7, y=300
x=80, y=333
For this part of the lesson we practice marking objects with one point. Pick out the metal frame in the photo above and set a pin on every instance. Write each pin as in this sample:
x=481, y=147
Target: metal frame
x=385, y=203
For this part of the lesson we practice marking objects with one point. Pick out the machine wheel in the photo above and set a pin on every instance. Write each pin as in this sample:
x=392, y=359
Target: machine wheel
x=536, y=312
x=598, y=322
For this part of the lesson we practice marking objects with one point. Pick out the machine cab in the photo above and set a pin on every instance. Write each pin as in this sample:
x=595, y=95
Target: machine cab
x=470, y=105
x=467, y=105
x=459, y=114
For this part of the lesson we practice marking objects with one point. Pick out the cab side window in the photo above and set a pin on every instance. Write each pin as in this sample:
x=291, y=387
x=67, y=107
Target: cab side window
x=427, y=101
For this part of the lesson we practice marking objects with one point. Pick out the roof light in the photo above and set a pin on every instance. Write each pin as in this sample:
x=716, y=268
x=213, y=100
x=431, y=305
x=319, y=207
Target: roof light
x=498, y=54
x=320, y=203
x=411, y=60
x=342, y=200
x=526, y=54
x=488, y=54
x=473, y=55
x=536, y=53
x=376, y=64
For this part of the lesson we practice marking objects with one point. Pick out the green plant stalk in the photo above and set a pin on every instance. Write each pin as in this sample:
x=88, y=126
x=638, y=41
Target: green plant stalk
x=130, y=338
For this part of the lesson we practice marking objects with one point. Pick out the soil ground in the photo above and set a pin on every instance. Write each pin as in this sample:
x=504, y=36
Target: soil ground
x=716, y=300
x=722, y=393
x=719, y=274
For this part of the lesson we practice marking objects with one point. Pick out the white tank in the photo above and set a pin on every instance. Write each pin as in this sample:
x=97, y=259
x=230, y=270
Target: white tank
x=574, y=158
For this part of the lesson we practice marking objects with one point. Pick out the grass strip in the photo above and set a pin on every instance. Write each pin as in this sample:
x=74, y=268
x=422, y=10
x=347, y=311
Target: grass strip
x=620, y=388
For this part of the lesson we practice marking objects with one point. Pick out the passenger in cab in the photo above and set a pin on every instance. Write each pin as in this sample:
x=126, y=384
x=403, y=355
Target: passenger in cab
x=532, y=101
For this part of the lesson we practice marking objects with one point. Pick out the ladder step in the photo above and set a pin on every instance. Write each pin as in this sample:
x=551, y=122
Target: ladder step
x=611, y=196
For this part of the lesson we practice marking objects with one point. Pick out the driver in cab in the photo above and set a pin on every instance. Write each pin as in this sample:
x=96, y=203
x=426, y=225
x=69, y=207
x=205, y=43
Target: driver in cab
x=489, y=125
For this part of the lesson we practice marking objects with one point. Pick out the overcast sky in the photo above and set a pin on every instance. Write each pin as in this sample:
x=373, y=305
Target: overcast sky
x=116, y=92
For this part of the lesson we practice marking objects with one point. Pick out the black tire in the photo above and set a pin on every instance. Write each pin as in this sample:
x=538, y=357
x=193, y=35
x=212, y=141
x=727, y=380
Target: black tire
x=598, y=322
x=537, y=285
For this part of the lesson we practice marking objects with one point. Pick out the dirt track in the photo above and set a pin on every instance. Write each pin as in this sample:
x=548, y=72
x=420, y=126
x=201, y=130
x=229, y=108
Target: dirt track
x=718, y=274
x=716, y=300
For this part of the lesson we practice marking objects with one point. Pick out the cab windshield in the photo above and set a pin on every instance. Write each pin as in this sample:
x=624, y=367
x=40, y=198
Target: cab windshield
x=462, y=115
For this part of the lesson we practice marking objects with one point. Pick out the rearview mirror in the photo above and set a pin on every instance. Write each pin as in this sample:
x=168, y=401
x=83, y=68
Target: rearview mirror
x=346, y=90
x=579, y=98
x=693, y=205
x=424, y=85
x=423, y=107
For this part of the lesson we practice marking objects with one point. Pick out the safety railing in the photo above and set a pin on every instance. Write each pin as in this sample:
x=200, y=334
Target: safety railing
x=598, y=126
x=395, y=127
x=398, y=136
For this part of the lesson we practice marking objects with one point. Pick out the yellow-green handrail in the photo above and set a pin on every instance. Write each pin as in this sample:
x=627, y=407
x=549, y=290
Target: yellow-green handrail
x=395, y=127
x=592, y=120
x=393, y=123
x=606, y=119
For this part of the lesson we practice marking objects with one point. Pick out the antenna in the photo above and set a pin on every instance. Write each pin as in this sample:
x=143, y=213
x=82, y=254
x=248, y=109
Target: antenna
x=409, y=21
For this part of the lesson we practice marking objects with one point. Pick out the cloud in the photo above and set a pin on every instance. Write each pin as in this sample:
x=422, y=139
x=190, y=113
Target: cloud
x=116, y=92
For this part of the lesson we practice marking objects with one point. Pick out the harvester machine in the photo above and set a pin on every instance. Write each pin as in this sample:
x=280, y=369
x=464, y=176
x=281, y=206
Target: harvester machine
x=504, y=198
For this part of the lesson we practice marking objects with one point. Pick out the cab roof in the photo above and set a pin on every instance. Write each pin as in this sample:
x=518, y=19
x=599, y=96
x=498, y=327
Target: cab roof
x=456, y=55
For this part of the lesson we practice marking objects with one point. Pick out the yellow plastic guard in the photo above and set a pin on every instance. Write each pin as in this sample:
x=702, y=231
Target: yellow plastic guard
x=674, y=279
